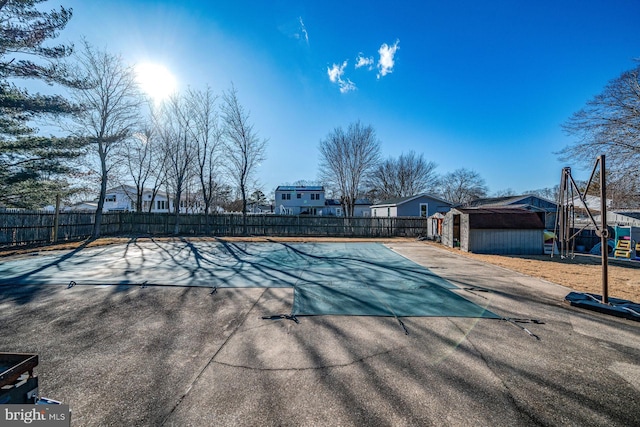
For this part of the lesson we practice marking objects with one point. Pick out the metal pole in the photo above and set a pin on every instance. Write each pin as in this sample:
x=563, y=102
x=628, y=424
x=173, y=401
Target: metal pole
x=604, y=233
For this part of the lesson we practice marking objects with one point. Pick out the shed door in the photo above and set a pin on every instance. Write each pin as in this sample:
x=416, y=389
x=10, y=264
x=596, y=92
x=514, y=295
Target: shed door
x=456, y=231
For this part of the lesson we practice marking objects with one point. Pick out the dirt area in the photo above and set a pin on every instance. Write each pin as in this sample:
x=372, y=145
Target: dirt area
x=582, y=273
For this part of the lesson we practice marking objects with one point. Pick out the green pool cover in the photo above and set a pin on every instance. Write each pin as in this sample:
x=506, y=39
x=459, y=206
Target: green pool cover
x=327, y=278
x=384, y=299
x=368, y=279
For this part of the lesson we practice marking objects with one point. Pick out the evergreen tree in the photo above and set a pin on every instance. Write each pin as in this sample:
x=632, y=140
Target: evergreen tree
x=33, y=168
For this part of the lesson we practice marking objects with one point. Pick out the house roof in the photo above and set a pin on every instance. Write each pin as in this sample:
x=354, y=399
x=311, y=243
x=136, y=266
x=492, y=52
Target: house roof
x=131, y=190
x=336, y=202
x=630, y=214
x=124, y=187
x=402, y=200
x=300, y=188
x=503, y=218
x=506, y=201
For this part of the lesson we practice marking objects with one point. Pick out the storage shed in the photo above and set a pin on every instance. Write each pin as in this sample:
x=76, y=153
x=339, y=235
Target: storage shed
x=529, y=202
x=500, y=231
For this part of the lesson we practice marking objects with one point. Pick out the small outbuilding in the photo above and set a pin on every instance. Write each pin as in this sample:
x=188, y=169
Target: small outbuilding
x=500, y=231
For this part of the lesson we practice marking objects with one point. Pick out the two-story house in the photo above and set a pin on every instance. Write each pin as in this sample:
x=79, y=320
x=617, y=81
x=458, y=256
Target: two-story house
x=299, y=199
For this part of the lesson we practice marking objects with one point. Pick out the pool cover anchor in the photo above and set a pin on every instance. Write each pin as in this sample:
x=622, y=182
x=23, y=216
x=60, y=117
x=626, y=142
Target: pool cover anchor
x=282, y=316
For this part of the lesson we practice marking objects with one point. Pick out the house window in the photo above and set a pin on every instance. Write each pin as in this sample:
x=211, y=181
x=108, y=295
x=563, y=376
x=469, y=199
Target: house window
x=161, y=204
x=315, y=196
x=424, y=210
x=299, y=196
x=286, y=196
x=110, y=198
x=388, y=211
x=338, y=211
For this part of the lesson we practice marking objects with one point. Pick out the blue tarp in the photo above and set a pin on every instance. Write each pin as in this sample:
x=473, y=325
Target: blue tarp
x=616, y=307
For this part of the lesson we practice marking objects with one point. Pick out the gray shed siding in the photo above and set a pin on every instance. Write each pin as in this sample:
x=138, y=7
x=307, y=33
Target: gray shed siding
x=503, y=242
x=491, y=241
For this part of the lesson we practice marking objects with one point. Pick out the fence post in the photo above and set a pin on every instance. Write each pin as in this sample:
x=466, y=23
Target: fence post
x=56, y=219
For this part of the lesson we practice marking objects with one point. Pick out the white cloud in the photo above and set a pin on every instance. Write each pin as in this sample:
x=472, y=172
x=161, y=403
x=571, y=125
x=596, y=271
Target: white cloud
x=386, y=61
x=335, y=74
x=303, y=30
x=361, y=61
x=296, y=30
x=347, y=86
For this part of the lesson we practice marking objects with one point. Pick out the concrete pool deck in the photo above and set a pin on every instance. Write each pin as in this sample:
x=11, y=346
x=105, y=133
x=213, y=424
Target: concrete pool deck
x=147, y=355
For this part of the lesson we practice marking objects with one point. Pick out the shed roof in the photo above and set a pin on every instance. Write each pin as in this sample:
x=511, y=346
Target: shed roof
x=503, y=218
x=509, y=201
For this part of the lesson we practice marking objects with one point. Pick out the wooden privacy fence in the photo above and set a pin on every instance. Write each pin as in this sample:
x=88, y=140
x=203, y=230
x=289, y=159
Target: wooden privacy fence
x=19, y=228
x=28, y=228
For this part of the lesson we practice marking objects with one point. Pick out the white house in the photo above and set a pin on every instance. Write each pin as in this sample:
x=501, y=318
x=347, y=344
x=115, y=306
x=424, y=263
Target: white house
x=123, y=198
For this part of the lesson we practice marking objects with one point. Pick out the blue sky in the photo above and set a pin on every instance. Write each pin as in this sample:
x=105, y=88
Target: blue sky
x=482, y=85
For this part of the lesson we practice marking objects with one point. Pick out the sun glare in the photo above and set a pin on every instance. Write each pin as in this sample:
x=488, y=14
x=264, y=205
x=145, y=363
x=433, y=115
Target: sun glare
x=155, y=80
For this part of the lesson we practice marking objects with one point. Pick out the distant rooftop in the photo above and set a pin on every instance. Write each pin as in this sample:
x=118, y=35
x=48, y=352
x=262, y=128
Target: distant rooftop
x=632, y=214
x=300, y=188
x=336, y=202
x=502, y=201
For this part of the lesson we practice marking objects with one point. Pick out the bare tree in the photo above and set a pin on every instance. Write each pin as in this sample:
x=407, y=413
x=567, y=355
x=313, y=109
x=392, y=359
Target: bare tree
x=549, y=193
x=136, y=161
x=608, y=124
x=207, y=135
x=110, y=106
x=346, y=158
x=506, y=192
x=462, y=186
x=178, y=150
x=245, y=150
x=408, y=175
